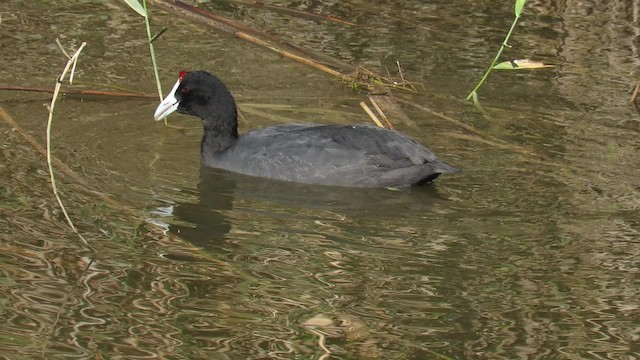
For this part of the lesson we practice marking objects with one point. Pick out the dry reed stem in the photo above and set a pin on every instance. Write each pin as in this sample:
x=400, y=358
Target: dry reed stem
x=484, y=138
x=240, y=31
x=71, y=63
x=400, y=72
x=469, y=128
x=79, y=92
x=234, y=27
x=292, y=56
x=62, y=49
x=634, y=95
x=388, y=102
x=373, y=116
x=382, y=114
x=359, y=76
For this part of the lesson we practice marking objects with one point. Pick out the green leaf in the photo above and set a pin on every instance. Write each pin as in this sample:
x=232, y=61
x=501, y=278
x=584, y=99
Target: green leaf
x=519, y=7
x=135, y=5
x=521, y=64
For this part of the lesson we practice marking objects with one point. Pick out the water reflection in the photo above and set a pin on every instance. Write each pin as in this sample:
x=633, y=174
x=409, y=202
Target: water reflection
x=287, y=264
x=204, y=222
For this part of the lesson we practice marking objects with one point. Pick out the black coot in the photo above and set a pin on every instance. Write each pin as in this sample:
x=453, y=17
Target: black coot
x=342, y=155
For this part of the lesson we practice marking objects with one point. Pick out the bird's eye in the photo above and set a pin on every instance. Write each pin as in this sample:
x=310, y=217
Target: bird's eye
x=185, y=90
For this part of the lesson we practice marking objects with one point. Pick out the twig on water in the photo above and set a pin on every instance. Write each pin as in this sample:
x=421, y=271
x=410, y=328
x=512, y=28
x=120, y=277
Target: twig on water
x=373, y=116
x=79, y=92
x=71, y=63
x=62, y=49
x=400, y=72
x=357, y=77
x=380, y=112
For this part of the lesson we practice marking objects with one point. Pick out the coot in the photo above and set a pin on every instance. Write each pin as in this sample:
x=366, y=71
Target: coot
x=341, y=155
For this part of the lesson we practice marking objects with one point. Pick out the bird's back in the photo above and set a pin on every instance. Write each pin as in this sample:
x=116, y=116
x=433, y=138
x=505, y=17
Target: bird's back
x=342, y=155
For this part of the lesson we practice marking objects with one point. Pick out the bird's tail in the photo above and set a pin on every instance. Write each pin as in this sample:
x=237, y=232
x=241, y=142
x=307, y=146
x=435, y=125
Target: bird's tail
x=444, y=168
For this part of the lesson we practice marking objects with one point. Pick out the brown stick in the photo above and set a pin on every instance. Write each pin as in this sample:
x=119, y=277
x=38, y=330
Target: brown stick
x=634, y=96
x=78, y=91
x=292, y=56
x=380, y=112
x=232, y=27
x=353, y=75
x=480, y=136
x=244, y=32
x=373, y=116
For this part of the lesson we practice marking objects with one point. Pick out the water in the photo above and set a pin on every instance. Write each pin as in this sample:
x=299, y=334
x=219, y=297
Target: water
x=532, y=252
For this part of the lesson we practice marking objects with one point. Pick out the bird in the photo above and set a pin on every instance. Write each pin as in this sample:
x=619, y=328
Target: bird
x=359, y=155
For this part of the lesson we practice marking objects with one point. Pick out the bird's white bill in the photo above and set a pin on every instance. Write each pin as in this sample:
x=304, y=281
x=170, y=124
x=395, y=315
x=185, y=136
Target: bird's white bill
x=168, y=105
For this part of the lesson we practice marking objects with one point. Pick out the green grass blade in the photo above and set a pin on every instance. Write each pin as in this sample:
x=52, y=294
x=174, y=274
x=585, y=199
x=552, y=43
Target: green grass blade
x=519, y=7
x=137, y=7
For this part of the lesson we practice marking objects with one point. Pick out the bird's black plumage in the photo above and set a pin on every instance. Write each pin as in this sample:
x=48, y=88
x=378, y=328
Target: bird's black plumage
x=342, y=155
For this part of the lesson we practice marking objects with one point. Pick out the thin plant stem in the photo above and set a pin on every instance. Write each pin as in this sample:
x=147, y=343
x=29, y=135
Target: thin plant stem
x=151, y=50
x=373, y=116
x=70, y=63
x=62, y=49
x=495, y=60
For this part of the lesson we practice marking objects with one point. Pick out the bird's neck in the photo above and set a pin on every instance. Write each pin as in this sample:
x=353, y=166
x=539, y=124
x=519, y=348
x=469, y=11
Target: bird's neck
x=220, y=133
